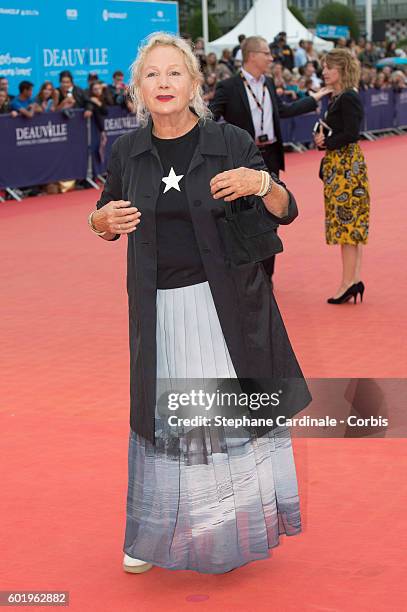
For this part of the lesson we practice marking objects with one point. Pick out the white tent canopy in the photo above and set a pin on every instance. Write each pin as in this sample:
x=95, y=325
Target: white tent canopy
x=265, y=19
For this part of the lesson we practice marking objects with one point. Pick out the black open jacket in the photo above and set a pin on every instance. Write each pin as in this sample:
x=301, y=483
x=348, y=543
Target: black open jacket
x=344, y=116
x=249, y=316
x=231, y=103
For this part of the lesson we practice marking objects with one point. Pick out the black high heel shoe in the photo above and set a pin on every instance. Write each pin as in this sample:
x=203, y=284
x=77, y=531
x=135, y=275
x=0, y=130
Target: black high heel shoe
x=352, y=291
x=361, y=290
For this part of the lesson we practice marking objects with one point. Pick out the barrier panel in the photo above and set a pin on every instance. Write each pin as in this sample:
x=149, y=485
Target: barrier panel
x=383, y=109
x=400, y=104
x=287, y=130
x=299, y=129
x=379, y=109
x=302, y=127
x=363, y=99
x=51, y=147
x=47, y=148
x=117, y=122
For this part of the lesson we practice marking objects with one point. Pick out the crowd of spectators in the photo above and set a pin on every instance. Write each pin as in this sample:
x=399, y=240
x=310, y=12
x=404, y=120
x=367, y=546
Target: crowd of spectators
x=94, y=99
x=296, y=71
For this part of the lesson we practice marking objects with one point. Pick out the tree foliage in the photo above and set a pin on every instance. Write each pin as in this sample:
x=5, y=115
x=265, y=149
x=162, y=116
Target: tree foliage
x=191, y=19
x=298, y=14
x=335, y=13
x=194, y=26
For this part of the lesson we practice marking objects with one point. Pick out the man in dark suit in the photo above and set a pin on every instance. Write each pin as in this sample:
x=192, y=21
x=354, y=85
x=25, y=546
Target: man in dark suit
x=249, y=100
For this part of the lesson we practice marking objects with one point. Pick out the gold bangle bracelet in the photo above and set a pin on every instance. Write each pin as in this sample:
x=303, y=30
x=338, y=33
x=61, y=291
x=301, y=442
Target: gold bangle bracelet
x=265, y=184
x=92, y=227
x=270, y=186
x=262, y=184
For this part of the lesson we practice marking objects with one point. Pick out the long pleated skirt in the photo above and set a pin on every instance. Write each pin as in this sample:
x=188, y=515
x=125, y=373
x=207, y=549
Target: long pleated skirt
x=209, y=500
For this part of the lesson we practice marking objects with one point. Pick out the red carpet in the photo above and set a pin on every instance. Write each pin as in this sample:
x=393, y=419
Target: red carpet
x=64, y=413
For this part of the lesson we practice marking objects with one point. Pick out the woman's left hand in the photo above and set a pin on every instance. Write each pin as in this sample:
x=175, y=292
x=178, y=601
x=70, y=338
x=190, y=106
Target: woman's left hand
x=236, y=183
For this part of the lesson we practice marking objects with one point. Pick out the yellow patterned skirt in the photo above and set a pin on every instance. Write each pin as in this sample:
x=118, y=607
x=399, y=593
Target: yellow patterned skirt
x=346, y=195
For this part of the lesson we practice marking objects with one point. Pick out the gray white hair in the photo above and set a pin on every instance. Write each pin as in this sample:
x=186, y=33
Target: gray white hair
x=167, y=40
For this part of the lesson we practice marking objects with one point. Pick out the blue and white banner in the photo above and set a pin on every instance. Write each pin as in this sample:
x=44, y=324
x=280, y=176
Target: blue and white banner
x=325, y=30
x=39, y=38
x=47, y=148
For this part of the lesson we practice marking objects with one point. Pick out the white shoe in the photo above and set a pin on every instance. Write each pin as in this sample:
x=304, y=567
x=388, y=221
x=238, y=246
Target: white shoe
x=135, y=566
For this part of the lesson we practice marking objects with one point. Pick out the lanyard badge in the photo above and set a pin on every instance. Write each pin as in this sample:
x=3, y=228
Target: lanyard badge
x=260, y=106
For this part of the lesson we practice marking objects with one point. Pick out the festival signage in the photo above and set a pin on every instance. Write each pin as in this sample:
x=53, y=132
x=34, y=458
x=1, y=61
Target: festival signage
x=47, y=148
x=40, y=38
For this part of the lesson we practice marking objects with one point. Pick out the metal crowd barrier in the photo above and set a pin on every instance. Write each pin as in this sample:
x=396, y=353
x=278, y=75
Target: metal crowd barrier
x=52, y=147
x=385, y=111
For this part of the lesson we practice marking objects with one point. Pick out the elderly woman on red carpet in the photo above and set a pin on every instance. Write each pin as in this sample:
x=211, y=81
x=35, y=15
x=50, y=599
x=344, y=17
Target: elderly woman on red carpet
x=208, y=499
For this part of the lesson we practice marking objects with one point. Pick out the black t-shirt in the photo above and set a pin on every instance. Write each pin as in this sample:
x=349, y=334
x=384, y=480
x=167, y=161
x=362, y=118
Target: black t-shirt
x=179, y=262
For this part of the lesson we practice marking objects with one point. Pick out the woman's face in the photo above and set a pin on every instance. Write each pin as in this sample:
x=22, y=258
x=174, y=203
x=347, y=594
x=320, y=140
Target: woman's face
x=96, y=89
x=379, y=79
x=332, y=76
x=309, y=69
x=211, y=79
x=166, y=84
x=211, y=59
x=47, y=92
x=277, y=70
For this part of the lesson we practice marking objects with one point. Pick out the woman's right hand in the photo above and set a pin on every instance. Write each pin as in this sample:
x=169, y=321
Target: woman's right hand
x=117, y=217
x=319, y=138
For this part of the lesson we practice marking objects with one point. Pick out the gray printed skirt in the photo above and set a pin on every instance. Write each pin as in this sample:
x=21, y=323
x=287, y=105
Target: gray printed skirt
x=207, y=500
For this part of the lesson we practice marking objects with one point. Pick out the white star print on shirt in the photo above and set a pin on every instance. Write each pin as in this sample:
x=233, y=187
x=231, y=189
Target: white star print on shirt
x=172, y=181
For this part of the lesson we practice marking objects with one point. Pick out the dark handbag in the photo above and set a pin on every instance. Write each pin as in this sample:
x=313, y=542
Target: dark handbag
x=247, y=234
x=321, y=169
x=326, y=129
